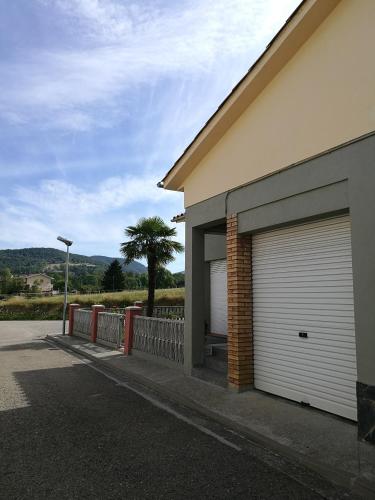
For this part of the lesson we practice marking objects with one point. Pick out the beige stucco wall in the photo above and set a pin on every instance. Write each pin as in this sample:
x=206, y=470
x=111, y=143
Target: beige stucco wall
x=42, y=281
x=323, y=97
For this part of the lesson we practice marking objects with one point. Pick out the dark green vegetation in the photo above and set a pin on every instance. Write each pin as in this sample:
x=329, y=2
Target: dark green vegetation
x=151, y=239
x=40, y=308
x=85, y=277
x=113, y=278
x=10, y=284
x=85, y=273
x=37, y=260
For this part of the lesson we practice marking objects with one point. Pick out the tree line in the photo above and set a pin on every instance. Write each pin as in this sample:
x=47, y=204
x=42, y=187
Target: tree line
x=84, y=280
x=150, y=238
x=115, y=279
x=10, y=284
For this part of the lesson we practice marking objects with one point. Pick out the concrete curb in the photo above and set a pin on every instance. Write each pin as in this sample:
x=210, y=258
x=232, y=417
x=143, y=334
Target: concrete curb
x=357, y=484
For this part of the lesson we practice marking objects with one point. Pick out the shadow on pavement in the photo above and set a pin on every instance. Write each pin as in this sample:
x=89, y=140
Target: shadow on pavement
x=35, y=345
x=69, y=432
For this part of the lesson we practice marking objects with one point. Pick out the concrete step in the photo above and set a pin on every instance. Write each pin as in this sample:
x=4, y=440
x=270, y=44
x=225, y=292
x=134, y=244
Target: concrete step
x=213, y=339
x=217, y=365
x=220, y=352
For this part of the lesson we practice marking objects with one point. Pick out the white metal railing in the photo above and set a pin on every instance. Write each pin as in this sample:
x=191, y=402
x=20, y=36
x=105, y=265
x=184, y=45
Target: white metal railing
x=82, y=323
x=169, y=312
x=110, y=329
x=160, y=337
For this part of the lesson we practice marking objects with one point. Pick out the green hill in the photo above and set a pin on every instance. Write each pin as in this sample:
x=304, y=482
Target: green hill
x=35, y=260
x=134, y=267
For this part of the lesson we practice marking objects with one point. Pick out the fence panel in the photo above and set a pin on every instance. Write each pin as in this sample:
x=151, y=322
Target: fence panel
x=160, y=337
x=169, y=312
x=82, y=323
x=110, y=329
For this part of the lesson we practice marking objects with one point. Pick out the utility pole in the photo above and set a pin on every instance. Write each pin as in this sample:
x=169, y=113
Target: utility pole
x=68, y=244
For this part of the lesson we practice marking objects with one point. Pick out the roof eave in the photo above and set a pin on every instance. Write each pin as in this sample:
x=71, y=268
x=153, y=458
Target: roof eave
x=297, y=29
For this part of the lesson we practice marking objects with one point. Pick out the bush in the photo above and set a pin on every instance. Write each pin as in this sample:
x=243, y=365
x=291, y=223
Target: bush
x=48, y=308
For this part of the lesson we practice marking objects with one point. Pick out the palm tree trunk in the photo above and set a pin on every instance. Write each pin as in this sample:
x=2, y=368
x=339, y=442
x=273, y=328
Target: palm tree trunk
x=151, y=269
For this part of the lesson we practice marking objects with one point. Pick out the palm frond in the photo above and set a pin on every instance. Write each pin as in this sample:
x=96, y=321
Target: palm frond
x=150, y=236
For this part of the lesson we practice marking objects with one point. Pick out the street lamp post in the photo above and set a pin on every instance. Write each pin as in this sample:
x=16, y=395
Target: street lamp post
x=68, y=243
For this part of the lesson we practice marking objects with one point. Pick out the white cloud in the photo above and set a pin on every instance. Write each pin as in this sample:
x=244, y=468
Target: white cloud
x=117, y=46
x=106, y=20
x=56, y=196
x=93, y=216
x=111, y=63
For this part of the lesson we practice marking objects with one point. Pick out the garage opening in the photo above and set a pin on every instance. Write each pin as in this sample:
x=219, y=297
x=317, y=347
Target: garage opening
x=218, y=297
x=303, y=315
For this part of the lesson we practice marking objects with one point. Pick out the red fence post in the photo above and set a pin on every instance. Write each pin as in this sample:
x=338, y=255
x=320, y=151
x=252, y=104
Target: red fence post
x=96, y=309
x=130, y=313
x=72, y=309
x=138, y=303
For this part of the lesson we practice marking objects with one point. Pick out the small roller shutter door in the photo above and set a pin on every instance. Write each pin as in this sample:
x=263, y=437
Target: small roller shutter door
x=218, y=296
x=303, y=313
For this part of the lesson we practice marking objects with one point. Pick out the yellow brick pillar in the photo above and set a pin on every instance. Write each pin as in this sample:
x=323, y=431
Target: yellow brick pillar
x=240, y=335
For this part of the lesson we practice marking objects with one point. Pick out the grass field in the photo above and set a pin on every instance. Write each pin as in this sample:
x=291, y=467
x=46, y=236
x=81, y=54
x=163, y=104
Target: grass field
x=20, y=308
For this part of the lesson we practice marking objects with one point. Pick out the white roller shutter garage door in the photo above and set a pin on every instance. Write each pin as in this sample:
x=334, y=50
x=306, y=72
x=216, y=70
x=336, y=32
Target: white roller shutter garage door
x=303, y=314
x=218, y=296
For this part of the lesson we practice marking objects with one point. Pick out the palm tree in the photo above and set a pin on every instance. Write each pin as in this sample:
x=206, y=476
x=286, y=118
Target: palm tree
x=151, y=238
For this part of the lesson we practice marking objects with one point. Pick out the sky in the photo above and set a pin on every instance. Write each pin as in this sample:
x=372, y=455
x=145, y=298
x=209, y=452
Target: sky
x=98, y=98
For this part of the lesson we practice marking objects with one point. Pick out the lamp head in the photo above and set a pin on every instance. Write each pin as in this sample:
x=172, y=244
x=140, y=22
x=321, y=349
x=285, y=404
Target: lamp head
x=68, y=243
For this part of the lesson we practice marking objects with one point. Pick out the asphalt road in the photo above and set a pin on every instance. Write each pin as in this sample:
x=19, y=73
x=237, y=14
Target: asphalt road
x=67, y=431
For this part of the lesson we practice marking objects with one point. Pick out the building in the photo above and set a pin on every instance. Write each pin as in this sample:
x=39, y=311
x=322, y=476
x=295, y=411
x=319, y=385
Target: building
x=280, y=217
x=42, y=281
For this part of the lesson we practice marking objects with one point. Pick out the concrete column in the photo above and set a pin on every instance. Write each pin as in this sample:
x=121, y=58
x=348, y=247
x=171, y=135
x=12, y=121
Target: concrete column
x=194, y=298
x=96, y=309
x=240, y=334
x=72, y=309
x=130, y=313
x=362, y=210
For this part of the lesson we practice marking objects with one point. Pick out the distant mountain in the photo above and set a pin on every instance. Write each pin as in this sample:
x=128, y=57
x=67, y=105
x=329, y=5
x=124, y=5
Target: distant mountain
x=35, y=260
x=134, y=267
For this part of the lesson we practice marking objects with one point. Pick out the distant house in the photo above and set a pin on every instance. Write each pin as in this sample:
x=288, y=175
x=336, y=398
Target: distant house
x=42, y=281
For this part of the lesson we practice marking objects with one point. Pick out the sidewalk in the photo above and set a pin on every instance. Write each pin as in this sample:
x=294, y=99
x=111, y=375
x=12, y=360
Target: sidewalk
x=322, y=442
